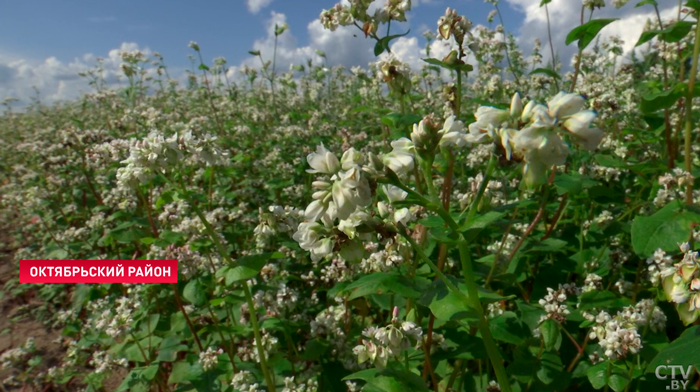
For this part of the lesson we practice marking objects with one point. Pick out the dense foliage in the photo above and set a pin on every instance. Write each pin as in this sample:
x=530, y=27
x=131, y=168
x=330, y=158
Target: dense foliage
x=501, y=226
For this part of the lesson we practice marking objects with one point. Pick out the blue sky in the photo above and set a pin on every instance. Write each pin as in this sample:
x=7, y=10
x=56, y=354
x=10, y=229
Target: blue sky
x=45, y=43
x=69, y=29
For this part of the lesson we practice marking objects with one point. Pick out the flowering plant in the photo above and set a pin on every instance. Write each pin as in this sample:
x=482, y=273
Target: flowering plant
x=484, y=221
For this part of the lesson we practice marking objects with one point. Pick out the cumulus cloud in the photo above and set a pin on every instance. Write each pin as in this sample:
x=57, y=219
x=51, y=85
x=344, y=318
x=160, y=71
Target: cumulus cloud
x=254, y=6
x=342, y=47
x=56, y=80
x=565, y=14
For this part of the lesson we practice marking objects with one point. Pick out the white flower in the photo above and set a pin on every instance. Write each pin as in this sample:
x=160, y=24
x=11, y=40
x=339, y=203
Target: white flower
x=349, y=225
x=541, y=145
x=564, y=105
x=322, y=161
x=343, y=198
x=316, y=209
x=403, y=216
x=516, y=105
x=309, y=238
x=453, y=133
x=351, y=159
x=579, y=124
x=400, y=159
x=394, y=193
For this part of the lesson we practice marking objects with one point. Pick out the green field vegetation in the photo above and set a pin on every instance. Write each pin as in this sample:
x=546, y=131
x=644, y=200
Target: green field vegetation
x=490, y=223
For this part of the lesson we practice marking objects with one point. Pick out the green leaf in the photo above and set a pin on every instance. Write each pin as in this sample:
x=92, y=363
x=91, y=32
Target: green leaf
x=432, y=221
x=572, y=183
x=149, y=324
x=664, y=99
x=133, y=353
x=130, y=380
x=447, y=305
x=549, y=245
x=662, y=230
x=171, y=237
x=451, y=307
x=195, y=293
x=247, y=267
x=169, y=347
x=585, y=33
x=602, y=300
x=596, y=375
x=679, y=352
x=618, y=380
x=673, y=33
x=509, y=329
x=694, y=4
x=379, y=283
x=482, y=221
x=315, y=349
x=363, y=375
x=150, y=372
x=463, y=67
x=552, y=371
x=383, y=43
x=676, y=31
x=186, y=370
x=645, y=2
x=545, y=71
x=550, y=333
x=392, y=380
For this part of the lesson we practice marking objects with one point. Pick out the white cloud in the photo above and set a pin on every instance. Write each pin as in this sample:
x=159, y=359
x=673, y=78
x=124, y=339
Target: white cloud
x=345, y=46
x=254, y=6
x=57, y=80
x=565, y=15
x=412, y=51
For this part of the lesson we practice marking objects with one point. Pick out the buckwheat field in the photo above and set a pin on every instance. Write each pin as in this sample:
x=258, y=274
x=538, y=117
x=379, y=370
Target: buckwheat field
x=494, y=222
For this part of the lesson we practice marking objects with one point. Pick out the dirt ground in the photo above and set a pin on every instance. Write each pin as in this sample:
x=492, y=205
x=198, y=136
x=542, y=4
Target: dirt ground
x=16, y=326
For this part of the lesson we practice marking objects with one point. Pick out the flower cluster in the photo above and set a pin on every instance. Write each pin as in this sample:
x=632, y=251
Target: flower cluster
x=383, y=344
x=681, y=283
x=357, y=11
x=533, y=132
x=209, y=358
x=453, y=24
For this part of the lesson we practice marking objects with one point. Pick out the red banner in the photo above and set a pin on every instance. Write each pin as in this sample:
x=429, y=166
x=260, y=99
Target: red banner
x=98, y=271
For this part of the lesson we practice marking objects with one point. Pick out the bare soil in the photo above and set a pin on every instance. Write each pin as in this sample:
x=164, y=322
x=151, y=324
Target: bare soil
x=15, y=326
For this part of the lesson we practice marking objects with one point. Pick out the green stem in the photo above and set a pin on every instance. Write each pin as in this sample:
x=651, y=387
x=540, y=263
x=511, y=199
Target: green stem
x=470, y=300
x=473, y=296
x=551, y=45
x=458, y=94
x=427, y=166
x=455, y=371
x=138, y=344
x=578, y=59
x=187, y=318
x=480, y=192
x=505, y=44
x=248, y=297
x=607, y=376
x=430, y=205
x=215, y=319
x=689, y=113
